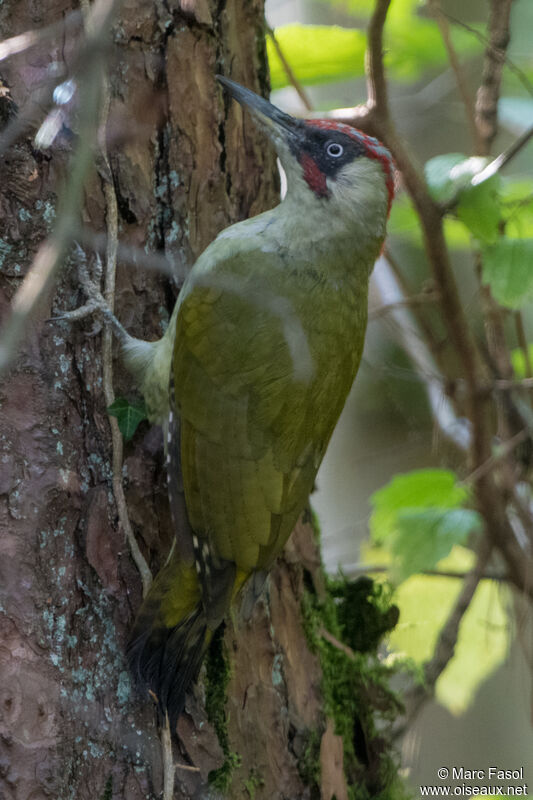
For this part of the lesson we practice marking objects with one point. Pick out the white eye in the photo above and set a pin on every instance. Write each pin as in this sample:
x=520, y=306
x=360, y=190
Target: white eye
x=334, y=149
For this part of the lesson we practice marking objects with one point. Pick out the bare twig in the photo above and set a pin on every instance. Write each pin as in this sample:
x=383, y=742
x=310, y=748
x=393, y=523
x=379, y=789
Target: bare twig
x=325, y=634
x=302, y=94
x=355, y=570
x=503, y=159
x=454, y=429
x=107, y=340
x=135, y=256
x=489, y=500
x=445, y=647
x=421, y=299
x=520, y=74
x=503, y=451
x=169, y=768
x=376, y=82
x=489, y=90
x=462, y=88
x=449, y=633
x=49, y=257
x=522, y=341
x=28, y=39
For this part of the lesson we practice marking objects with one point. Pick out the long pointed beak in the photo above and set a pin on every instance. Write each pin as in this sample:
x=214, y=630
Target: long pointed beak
x=276, y=123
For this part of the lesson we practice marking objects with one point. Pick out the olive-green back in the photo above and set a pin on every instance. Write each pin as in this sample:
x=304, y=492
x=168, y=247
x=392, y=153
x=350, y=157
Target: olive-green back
x=265, y=355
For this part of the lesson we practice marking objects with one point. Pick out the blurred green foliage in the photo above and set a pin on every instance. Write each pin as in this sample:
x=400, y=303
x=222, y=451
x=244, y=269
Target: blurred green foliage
x=418, y=517
x=421, y=520
x=323, y=53
x=427, y=601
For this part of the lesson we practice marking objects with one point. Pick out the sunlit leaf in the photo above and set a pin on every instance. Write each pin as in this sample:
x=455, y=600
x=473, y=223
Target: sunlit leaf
x=423, y=488
x=518, y=360
x=404, y=222
x=317, y=53
x=425, y=536
x=478, y=207
x=508, y=269
x=129, y=415
x=484, y=634
x=446, y=175
x=419, y=517
x=322, y=53
x=517, y=200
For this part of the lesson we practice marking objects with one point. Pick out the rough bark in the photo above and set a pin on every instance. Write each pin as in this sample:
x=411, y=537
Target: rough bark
x=184, y=165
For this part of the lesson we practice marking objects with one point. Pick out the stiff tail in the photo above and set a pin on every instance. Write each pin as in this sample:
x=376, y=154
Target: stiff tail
x=185, y=605
x=167, y=660
x=169, y=639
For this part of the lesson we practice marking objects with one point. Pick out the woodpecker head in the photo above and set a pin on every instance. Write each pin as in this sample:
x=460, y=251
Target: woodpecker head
x=342, y=168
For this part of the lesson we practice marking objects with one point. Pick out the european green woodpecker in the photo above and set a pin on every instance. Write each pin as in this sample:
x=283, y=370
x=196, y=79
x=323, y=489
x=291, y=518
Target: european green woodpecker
x=250, y=378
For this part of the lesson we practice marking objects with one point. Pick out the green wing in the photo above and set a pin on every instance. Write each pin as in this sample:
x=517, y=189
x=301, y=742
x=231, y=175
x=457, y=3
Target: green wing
x=264, y=358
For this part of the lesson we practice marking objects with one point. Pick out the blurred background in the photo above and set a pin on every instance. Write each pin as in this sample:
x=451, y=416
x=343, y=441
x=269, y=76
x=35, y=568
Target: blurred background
x=483, y=713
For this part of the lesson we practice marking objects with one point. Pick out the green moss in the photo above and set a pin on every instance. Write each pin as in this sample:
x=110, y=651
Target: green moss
x=309, y=762
x=254, y=782
x=108, y=789
x=365, y=611
x=217, y=677
x=356, y=686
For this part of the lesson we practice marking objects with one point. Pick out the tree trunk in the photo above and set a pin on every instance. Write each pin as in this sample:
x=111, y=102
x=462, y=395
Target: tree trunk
x=184, y=164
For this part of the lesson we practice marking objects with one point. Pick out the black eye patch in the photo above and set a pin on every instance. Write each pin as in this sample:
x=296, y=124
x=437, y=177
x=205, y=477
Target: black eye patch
x=330, y=150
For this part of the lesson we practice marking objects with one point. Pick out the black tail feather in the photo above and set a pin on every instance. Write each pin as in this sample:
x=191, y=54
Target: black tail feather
x=167, y=660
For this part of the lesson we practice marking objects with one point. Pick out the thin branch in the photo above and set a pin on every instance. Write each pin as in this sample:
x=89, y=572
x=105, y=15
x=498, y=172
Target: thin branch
x=135, y=256
x=489, y=499
x=355, y=570
x=421, y=299
x=462, y=87
x=503, y=159
x=49, y=258
x=501, y=454
x=169, y=768
x=111, y=206
x=325, y=634
x=520, y=74
x=510, y=384
x=447, y=641
x=28, y=39
x=489, y=90
x=448, y=636
x=302, y=94
x=454, y=429
x=376, y=81
x=522, y=341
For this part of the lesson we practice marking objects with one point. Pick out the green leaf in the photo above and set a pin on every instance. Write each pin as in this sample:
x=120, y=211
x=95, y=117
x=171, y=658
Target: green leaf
x=404, y=222
x=323, y=53
x=479, y=207
x=413, y=44
x=128, y=414
x=419, y=517
x=317, y=53
x=508, y=269
x=517, y=201
x=518, y=360
x=423, y=488
x=425, y=537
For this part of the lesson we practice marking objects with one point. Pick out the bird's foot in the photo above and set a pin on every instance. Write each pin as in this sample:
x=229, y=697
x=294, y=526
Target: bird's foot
x=96, y=303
